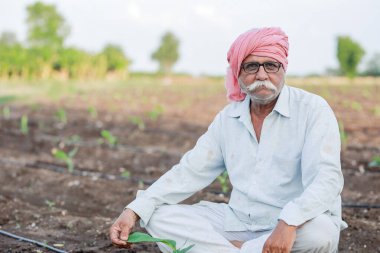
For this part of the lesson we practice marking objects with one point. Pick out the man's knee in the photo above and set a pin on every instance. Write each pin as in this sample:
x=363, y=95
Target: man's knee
x=320, y=242
x=317, y=235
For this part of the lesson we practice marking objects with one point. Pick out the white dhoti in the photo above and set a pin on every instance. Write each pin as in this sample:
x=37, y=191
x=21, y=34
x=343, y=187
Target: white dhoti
x=202, y=224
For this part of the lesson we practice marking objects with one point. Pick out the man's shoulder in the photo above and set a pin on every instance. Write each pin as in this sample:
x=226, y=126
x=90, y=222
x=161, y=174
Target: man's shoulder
x=302, y=97
x=232, y=109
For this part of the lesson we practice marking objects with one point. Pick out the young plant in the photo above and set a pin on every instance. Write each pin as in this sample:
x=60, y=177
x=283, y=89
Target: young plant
x=110, y=138
x=6, y=112
x=66, y=157
x=93, y=112
x=74, y=139
x=223, y=181
x=142, y=237
x=375, y=162
x=50, y=204
x=24, y=127
x=356, y=106
x=343, y=134
x=126, y=174
x=139, y=122
x=376, y=110
x=156, y=112
x=61, y=115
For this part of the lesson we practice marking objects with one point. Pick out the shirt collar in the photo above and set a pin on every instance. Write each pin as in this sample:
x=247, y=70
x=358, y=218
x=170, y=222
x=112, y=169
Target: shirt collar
x=282, y=105
x=237, y=109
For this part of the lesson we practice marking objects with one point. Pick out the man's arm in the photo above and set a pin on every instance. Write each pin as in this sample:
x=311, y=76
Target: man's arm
x=322, y=180
x=197, y=169
x=322, y=177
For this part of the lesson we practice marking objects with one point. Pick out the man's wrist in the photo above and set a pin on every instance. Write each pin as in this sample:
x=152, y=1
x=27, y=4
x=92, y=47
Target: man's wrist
x=283, y=223
x=130, y=211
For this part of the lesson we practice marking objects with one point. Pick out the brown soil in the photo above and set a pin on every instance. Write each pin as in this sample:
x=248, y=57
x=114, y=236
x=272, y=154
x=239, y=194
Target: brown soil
x=41, y=200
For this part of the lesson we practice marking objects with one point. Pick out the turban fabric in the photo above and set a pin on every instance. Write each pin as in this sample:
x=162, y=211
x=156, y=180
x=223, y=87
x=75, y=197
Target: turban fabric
x=266, y=42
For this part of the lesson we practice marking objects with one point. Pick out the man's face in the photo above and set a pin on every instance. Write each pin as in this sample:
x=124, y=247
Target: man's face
x=262, y=87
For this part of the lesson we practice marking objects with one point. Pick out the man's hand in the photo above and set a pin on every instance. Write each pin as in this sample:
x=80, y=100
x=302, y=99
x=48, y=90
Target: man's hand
x=122, y=227
x=281, y=240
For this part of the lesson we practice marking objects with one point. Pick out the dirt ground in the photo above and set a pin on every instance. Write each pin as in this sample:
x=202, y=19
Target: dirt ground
x=41, y=200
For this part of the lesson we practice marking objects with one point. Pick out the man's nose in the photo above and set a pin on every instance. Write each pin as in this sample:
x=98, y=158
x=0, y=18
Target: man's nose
x=262, y=74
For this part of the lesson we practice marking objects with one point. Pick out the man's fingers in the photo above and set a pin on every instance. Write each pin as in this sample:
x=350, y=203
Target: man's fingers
x=114, y=236
x=124, y=234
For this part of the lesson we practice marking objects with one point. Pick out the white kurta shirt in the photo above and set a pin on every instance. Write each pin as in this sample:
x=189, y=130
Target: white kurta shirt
x=293, y=173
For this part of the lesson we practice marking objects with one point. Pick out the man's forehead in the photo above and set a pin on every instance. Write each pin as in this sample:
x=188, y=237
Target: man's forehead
x=259, y=59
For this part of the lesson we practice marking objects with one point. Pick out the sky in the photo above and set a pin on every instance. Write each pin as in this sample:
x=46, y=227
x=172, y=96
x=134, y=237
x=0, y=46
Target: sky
x=207, y=28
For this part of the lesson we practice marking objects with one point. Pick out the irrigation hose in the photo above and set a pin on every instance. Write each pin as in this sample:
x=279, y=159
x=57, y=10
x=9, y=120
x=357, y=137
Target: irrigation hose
x=360, y=205
x=20, y=238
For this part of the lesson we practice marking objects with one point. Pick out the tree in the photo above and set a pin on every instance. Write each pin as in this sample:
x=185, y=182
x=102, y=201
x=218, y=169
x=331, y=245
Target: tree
x=116, y=59
x=46, y=27
x=349, y=55
x=8, y=39
x=12, y=56
x=373, y=66
x=167, y=54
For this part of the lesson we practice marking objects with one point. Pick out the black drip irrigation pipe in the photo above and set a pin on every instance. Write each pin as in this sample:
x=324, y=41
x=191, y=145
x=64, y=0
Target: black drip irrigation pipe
x=23, y=239
x=366, y=206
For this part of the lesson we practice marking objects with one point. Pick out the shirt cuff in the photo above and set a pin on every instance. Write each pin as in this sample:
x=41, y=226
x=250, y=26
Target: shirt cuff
x=292, y=215
x=143, y=207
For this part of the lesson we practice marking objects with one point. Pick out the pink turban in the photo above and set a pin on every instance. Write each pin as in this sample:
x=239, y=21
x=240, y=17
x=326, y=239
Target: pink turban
x=267, y=42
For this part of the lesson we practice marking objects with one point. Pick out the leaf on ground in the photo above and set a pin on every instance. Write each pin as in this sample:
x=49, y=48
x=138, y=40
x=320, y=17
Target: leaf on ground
x=142, y=237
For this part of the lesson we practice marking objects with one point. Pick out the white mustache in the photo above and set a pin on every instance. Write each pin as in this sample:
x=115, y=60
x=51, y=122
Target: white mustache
x=257, y=84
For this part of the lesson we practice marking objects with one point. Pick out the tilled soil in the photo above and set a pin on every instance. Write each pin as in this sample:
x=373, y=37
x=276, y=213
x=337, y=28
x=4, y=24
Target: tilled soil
x=41, y=200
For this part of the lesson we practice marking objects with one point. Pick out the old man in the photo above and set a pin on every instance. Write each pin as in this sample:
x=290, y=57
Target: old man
x=281, y=148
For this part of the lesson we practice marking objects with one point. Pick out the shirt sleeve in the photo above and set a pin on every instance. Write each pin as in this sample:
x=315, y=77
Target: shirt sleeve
x=197, y=169
x=322, y=178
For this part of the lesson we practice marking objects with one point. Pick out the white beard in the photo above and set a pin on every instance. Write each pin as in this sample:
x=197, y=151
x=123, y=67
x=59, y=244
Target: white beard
x=251, y=89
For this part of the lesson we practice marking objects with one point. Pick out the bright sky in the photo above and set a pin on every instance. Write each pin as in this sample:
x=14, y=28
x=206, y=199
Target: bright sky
x=206, y=28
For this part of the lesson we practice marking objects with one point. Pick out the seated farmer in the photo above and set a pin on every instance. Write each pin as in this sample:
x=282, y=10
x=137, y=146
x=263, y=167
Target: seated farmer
x=281, y=148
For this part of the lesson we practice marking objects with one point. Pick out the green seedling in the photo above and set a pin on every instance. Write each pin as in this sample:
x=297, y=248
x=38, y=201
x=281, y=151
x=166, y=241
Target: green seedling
x=140, y=184
x=110, y=138
x=223, y=181
x=126, y=174
x=343, y=134
x=356, y=106
x=137, y=237
x=66, y=157
x=139, y=122
x=24, y=127
x=156, y=112
x=61, y=115
x=376, y=110
x=93, y=112
x=74, y=138
x=6, y=112
x=375, y=162
x=50, y=204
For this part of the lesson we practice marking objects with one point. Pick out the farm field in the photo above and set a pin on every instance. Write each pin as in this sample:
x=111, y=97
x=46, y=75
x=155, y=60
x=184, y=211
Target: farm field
x=122, y=136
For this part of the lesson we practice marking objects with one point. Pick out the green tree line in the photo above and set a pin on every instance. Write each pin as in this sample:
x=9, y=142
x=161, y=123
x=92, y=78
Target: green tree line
x=44, y=55
x=349, y=54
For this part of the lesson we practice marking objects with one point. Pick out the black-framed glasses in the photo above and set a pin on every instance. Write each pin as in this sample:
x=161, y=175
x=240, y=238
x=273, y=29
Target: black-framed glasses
x=253, y=67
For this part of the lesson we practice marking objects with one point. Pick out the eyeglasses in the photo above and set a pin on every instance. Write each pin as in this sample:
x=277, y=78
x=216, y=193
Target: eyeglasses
x=253, y=67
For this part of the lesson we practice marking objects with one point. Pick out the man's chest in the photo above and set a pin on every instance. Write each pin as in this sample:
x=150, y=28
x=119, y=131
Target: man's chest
x=276, y=157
